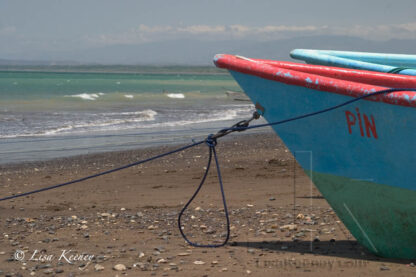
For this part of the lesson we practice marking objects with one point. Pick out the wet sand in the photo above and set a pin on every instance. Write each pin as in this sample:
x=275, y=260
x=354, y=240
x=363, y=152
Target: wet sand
x=125, y=223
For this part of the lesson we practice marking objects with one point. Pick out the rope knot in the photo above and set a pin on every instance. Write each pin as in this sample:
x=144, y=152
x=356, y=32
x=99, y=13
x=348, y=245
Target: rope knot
x=210, y=141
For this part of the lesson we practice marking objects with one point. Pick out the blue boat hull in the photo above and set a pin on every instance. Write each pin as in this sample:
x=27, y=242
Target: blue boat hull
x=361, y=157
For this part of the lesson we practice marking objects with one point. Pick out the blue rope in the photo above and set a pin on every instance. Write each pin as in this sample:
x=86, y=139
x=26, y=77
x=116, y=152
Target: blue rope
x=101, y=173
x=211, y=142
x=386, y=91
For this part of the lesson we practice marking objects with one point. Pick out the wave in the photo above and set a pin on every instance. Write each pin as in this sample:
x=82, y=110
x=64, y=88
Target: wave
x=176, y=95
x=129, y=96
x=110, y=120
x=75, y=123
x=214, y=116
x=87, y=96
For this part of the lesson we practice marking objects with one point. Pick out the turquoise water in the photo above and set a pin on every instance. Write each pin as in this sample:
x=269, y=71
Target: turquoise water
x=48, y=115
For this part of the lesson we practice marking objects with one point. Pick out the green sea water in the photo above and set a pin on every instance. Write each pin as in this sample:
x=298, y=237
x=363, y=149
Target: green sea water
x=54, y=114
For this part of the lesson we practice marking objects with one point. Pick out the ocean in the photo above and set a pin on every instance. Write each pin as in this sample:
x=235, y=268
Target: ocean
x=45, y=115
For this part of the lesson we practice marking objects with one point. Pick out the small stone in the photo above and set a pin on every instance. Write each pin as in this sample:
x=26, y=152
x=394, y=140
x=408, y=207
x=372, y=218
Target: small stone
x=224, y=269
x=214, y=262
x=151, y=227
x=98, y=267
x=184, y=254
x=105, y=215
x=250, y=205
x=248, y=271
x=141, y=255
x=384, y=268
x=289, y=227
x=210, y=231
x=197, y=208
x=120, y=267
x=271, y=199
x=122, y=209
x=59, y=270
x=300, y=216
x=199, y=262
x=251, y=251
x=161, y=261
x=48, y=271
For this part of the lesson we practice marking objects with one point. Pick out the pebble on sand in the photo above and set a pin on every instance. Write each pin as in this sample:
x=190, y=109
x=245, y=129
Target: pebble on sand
x=184, y=254
x=199, y=262
x=120, y=267
x=98, y=267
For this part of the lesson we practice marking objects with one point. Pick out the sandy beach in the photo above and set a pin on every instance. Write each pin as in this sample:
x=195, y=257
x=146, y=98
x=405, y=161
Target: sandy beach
x=125, y=223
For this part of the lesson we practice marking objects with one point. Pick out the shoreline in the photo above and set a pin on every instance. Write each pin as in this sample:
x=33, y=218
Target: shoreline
x=129, y=218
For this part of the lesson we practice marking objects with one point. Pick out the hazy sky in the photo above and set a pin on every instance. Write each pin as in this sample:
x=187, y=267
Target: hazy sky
x=52, y=25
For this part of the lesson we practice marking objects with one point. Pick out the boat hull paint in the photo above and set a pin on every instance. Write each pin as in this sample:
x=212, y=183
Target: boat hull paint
x=375, y=214
x=358, y=60
x=365, y=172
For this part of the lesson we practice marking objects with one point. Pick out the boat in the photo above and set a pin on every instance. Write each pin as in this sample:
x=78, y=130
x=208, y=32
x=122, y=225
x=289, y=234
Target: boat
x=361, y=157
x=382, y=62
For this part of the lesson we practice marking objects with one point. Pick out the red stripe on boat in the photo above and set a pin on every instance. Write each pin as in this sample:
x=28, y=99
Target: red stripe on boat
x=350, y=82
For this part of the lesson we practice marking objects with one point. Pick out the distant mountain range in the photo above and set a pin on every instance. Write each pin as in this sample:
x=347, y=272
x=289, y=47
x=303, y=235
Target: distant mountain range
x=196, y=52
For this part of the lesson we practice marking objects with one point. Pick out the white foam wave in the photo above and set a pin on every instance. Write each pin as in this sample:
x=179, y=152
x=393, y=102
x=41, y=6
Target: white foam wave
x=95, y=125
x=129, y=96
x=86, y=96
x=176, y=95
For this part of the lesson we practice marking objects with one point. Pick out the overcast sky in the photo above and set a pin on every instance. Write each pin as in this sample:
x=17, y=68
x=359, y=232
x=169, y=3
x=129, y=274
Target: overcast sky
x=54, y=25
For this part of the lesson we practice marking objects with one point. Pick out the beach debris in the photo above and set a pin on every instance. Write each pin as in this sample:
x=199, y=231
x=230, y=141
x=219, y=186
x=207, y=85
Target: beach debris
x=199, y=262
x=120, y=267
